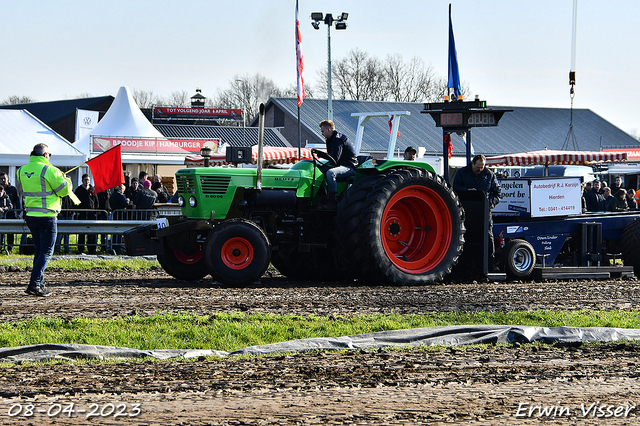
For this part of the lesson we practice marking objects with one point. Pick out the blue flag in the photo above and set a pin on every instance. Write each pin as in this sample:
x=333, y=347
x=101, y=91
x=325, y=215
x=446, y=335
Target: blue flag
x=454, y=74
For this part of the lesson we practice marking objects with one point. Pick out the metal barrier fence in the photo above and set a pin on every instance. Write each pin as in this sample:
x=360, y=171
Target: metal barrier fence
x=93, y=230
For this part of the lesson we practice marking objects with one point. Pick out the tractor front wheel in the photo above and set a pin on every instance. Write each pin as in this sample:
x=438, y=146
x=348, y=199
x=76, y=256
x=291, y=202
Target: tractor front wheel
x=187, y=265
x=237, y=253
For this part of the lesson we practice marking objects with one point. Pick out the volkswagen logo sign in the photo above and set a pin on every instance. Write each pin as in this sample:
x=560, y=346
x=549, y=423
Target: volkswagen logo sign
x=86, y=121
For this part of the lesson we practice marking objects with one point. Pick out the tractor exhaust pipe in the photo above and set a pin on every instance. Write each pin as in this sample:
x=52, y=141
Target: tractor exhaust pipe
x=260, y=148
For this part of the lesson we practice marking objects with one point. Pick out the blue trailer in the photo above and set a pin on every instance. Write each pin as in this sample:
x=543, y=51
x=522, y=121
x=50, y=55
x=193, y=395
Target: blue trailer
x=586, y=245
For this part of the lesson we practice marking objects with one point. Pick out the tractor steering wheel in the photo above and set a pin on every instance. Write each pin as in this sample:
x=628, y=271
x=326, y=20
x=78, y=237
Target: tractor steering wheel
x=316, y=153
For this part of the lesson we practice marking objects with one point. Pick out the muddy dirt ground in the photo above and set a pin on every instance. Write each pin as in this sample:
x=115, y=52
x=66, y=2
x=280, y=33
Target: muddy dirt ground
x=490, y=385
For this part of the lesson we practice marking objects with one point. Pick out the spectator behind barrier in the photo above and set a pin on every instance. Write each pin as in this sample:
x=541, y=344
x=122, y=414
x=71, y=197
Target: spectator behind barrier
x=88, y=201
x=160, y=189
x=144, y=200
x=631, y=199
x=12, y=192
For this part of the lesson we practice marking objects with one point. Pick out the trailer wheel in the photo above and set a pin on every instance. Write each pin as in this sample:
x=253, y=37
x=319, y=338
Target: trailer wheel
x=412, y=228
x=630, y=245
x=183, y=265
x=237, y=253
x=518, y=258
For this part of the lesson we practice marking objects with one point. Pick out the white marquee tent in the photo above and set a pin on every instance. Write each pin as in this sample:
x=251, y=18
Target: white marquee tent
x=125, y=120
x=20, y=131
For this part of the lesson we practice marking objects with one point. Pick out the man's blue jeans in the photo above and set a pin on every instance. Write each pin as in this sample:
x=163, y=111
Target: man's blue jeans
x=44, y=231
x=335, y=174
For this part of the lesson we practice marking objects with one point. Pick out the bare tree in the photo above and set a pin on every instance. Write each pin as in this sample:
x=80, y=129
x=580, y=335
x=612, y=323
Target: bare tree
x=178, y=98
x=247, y=92
x=356, y=76
x=15, y=99
x=410, y=82
x=359, y=76
x=146, y=99
x=83, y=95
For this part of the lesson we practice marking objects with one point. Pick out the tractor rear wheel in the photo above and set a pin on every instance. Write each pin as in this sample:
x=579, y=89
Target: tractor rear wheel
x=316, y=265
x=630, y=245
x=237, y=253
x=412, y=228
x=347, y=226
x=184, y=265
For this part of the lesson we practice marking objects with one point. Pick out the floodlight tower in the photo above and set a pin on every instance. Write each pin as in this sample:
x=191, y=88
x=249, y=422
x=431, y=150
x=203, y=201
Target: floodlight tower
x=316, y=18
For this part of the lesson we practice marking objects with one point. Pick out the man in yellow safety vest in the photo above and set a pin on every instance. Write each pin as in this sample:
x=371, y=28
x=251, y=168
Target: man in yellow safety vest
x=42, y=187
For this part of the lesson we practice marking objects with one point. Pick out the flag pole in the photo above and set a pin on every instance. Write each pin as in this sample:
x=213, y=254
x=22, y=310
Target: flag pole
x=76, y=167
x=299, y=137
x=299, y=79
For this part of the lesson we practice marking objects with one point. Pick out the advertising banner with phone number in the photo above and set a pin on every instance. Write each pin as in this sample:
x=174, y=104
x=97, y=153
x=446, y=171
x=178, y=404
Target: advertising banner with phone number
x=542, y=197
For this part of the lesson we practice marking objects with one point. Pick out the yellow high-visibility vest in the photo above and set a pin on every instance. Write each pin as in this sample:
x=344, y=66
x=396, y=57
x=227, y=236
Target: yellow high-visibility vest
x=42, y=186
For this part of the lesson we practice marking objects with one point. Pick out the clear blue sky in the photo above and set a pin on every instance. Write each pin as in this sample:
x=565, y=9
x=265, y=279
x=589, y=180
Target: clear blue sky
x=511, y=53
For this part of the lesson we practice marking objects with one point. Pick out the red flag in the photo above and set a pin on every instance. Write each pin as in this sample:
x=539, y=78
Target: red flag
x=106, y=169
x=447, y=142
x=391, y=125
x=299, y=60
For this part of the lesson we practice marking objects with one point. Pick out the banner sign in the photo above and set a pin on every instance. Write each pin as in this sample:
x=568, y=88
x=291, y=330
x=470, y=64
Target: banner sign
x=556, y=197
x=101, y=144
x=85, y=122
x=515, y=199
x=632, y=153
x=198, y=113
x=540, y=197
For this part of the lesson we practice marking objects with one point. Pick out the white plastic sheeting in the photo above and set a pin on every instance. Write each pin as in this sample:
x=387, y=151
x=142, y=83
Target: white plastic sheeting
x=430, y=336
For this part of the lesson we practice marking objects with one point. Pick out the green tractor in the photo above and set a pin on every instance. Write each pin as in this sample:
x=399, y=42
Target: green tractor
x=397, y=222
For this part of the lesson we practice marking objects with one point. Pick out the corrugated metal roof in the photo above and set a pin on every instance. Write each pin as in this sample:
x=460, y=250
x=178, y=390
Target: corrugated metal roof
x=232, y=136
x=524, y=129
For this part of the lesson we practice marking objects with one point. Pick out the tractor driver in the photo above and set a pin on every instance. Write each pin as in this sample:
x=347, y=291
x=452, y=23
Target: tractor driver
x=342, y=158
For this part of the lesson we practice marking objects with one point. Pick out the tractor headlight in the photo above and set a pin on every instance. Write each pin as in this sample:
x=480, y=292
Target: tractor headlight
x=181, y=201
x=192, y=201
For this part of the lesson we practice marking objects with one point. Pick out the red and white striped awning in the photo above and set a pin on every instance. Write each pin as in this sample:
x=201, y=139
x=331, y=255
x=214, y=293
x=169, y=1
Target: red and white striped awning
x=549, y=157
x=271, y=155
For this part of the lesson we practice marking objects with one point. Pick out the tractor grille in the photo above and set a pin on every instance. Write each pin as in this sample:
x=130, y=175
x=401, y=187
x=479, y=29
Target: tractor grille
x=214, y=185
x=185, y=184
x=211, y=185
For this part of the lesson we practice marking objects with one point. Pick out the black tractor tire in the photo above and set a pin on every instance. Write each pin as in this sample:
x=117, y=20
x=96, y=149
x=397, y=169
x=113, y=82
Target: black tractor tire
x=518, y=258
x=630, y=245
x=319, y=265
x=184, y=265
x=237, y=253
x=412, y=228
x=348, y=233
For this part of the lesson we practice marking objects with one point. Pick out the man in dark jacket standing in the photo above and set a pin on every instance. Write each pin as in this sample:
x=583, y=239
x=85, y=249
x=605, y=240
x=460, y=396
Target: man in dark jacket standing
x=476, y=177
x=12, y=192
x=88, y=201
x=342, y=163
x=594, y=199
x=144, y=200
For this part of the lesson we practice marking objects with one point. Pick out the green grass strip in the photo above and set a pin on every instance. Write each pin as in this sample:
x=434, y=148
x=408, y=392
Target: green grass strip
x=233, y=331
x=74, y=264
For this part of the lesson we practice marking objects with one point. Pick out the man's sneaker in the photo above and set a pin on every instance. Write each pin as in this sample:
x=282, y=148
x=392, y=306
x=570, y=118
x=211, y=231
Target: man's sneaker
x=41, y=291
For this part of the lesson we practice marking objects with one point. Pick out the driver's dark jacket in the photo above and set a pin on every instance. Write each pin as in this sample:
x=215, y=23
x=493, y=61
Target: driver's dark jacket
x=486, y=182
x=342, y=150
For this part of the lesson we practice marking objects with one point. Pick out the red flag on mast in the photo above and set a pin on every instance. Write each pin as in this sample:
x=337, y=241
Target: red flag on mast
x=106, y=169
x=299, y=60
x=448, y=144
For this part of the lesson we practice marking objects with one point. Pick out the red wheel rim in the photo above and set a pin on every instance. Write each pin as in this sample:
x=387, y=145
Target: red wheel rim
x=237, y=253
x=416, y=229
x=188, y=258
